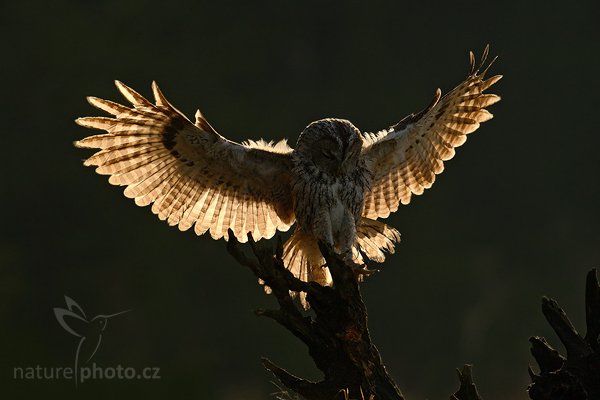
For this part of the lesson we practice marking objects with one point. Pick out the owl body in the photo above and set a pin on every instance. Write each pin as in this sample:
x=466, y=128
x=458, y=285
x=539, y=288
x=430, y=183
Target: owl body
x=336, y=184
x=329, y=183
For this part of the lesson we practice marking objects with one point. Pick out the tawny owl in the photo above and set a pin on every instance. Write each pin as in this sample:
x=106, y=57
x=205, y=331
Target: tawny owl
x=334, y=185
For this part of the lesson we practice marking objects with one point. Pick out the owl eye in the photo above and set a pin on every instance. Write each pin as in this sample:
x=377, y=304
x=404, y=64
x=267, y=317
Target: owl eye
x=328, y=154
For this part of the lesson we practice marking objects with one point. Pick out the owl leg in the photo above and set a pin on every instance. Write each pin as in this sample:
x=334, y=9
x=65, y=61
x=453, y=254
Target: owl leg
x=346, y=239
x=347, y=235
x=322, y=229
x=359, y=268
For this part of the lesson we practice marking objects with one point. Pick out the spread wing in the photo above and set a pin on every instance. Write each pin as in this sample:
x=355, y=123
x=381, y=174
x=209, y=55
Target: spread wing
x=405, y=158
x=191, y=174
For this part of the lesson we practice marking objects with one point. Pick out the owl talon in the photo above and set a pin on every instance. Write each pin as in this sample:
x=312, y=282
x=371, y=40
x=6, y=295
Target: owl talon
x=362, y=270
x=358, y=269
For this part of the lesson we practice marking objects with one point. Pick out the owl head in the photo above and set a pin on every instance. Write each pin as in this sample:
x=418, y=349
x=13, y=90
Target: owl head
x=332, y=145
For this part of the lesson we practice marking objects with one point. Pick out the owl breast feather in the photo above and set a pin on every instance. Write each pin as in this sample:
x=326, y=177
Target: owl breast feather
x=328, y=208
x=338, y=211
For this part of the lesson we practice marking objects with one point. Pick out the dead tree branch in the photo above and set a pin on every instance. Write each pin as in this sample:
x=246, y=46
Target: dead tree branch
x=337, y=336
x=576, y=376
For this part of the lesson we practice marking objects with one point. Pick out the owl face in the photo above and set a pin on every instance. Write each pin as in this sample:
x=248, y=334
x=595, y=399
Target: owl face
x=332, y=145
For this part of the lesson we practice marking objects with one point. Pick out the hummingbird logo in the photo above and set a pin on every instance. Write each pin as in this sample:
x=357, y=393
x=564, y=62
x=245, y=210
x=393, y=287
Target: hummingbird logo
x=89, y=331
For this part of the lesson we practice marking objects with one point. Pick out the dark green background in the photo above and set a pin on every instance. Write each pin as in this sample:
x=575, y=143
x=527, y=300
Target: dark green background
x=514, y=216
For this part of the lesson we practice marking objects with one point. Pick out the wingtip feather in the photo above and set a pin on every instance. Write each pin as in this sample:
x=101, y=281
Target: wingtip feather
x=489, y=82
x=159, y=97
x=471, y=62
x=131, y=95
x=81, y=121
x=83, y=144
x=125, y=91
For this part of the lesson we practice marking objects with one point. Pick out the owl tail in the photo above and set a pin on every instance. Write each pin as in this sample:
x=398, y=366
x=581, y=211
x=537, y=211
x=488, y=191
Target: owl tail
x=301, y=254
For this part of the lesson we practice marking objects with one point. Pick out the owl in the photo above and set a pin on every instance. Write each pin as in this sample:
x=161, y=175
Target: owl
x=334, y=186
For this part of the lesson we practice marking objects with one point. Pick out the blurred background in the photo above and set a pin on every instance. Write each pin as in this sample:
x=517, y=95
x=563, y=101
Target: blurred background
x=515, y=215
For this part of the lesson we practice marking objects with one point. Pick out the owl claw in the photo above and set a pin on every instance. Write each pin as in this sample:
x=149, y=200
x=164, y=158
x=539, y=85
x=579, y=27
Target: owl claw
x=362, y=270
x=358, y=269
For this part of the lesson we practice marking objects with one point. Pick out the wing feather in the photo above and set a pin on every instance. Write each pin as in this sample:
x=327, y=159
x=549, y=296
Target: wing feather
x=175, y=200
x=119, y=160
x=218, y=226
x=230, y=209
x=206, y=212
x=188, y=172
x=240, y=219
x=406, y=158
x=215, y=232
x=192, y=214
x=163, y=205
